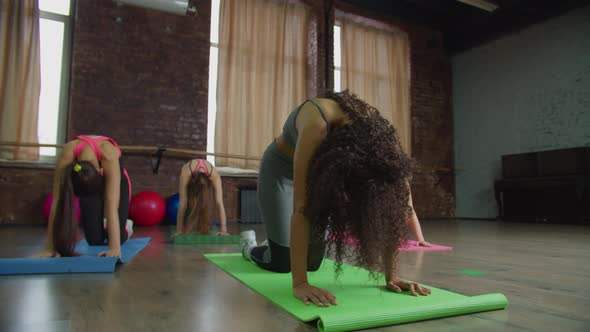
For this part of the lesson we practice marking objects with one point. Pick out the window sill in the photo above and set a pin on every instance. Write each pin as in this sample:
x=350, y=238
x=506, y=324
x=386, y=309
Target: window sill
x=236, y=172
x=43, y=162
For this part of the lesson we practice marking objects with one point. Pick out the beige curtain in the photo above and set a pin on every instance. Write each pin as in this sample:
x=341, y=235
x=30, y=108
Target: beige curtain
x=262, y=57
x=376, y=66
x=20, y=76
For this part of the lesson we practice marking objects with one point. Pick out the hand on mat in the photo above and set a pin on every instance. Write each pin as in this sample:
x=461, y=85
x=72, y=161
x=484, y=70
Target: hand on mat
x=398, y=285
x=424, y=244
x=47, y=254
x=222, y=234
x=308, y=293
x=110, y=253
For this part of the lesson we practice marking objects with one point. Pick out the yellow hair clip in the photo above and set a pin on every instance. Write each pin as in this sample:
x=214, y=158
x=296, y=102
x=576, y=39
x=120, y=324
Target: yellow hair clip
x=77, y=168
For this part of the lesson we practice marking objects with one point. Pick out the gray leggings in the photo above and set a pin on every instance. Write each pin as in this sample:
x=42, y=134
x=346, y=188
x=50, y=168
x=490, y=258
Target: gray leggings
x=275, y=198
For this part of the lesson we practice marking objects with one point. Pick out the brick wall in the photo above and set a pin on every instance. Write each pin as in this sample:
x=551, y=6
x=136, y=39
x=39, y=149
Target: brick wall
x=22, y=191
x=141, y=76
x=319, y=57
x=432, y=123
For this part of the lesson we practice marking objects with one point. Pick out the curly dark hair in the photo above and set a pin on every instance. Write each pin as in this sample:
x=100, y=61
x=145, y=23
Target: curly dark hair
x=357, y=186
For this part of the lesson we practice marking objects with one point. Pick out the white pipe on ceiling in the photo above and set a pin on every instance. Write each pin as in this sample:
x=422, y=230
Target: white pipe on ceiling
x=178, y=7
x=481, y=4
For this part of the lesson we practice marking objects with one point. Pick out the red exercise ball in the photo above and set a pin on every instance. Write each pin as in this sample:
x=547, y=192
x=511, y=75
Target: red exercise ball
x=47, y=207
x=147, y=208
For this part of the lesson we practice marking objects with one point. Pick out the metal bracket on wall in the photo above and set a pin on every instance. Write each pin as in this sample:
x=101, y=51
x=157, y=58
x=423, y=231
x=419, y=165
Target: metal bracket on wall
x=158, y=154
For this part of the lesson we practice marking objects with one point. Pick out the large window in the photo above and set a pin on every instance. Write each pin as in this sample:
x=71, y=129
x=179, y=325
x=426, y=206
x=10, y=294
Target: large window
x=372, y=60
x=213, y=57
x=55, y=44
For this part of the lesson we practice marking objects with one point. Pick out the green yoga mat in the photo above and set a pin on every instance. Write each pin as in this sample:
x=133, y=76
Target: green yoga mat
x=206, y=239
x=362, y=302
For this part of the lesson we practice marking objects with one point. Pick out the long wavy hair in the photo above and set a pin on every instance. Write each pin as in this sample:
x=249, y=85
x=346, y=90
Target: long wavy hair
x=80, y=178
x=199, y=196
x=357, y=186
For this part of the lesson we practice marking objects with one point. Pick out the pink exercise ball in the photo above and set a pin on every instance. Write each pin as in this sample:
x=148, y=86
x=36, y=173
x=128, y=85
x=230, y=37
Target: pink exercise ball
x=147, y=208
x=47, y=207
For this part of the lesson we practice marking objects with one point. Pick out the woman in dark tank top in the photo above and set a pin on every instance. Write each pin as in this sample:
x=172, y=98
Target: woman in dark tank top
x=338, y=167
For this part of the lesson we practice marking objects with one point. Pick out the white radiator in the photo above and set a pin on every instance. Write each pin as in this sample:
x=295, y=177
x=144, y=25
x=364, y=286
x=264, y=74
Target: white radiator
x=249, y=211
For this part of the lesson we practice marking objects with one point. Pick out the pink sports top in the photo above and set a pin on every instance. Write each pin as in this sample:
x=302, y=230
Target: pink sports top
x=201, y=165
x=93, y=143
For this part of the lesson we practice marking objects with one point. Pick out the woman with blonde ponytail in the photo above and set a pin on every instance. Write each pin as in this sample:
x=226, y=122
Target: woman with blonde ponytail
x=89, y=168
x=199, y=187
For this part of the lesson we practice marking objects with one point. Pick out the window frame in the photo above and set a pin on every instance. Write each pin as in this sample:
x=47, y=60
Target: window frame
x=337, y=68
x=212, y=82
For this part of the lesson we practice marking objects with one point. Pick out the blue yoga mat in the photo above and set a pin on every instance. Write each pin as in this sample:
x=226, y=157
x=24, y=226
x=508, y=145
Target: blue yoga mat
x=88, y=262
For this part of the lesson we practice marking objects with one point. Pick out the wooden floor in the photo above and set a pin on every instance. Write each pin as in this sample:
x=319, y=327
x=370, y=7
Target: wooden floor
x=544, y=270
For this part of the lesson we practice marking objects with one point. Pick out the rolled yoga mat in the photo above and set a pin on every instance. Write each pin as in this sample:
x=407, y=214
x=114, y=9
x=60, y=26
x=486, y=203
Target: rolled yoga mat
x=362, y=302
x=412, y=245
x=409, y=245
x=87, y=262
x=206, y=239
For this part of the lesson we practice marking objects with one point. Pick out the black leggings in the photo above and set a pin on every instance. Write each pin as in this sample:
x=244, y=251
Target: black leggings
x=281, y=257
x=92, y=214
